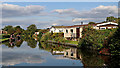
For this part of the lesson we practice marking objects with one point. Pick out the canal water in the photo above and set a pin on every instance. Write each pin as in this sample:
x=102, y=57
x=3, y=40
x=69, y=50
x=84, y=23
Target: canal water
x=30, y=52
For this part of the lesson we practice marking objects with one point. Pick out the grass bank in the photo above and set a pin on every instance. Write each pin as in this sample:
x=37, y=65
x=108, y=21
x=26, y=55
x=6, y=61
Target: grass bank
x=71, y=42
x=5, y=39
x=57, y=37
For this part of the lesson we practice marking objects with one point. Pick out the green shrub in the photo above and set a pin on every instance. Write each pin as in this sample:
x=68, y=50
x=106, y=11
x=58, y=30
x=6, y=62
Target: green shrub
x=95, y=38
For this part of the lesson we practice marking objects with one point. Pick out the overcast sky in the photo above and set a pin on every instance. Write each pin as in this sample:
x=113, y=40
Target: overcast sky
x=46, y=14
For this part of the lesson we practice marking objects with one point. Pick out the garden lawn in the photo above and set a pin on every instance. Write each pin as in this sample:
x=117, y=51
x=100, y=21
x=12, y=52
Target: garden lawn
x=71, y=42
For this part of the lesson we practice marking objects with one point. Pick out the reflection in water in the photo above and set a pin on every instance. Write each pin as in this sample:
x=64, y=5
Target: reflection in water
x=91, y=57
x=44, y=53
x=32, y=43
x=71, y=53
x=12, y=44
x=32, y=53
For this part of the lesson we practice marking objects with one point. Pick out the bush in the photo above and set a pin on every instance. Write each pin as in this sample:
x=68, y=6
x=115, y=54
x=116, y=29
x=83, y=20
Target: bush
x=5, y=36
x=45, y=37
x=53, y=36
x=95, y=38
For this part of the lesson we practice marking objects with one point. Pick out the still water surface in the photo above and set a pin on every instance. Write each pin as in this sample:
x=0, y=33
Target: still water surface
x=32, y=53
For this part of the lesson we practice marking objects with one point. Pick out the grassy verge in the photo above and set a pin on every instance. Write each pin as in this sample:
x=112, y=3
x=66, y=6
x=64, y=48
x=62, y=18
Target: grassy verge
x=71, y=42
x=1, y=40
x=57, y=37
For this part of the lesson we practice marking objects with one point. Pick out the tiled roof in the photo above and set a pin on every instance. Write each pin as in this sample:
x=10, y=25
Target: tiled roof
x=80, y=25
x=59, y=26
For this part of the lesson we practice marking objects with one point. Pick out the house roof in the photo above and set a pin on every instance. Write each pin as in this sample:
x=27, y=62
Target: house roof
x=97, y=24
x=80, y=25
x=101, y=24
x=59, y=26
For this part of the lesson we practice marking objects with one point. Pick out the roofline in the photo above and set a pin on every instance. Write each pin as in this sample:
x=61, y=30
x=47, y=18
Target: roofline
x=85, y=25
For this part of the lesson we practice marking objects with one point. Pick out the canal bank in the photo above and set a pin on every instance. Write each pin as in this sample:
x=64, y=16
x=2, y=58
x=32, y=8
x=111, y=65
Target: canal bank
x=4, y=40
x=102, y=51
x=60, y=43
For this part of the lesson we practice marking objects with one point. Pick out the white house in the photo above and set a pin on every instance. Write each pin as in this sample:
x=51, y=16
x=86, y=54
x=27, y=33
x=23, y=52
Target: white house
x=57, y=29
x=74, y=32
x=36, y=33
x=107, y=25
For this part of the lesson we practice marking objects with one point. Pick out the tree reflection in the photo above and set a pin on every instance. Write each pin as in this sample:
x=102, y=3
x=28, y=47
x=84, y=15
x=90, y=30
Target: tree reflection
x=51, y=47
x=12, y=44
x=87, y=57
x=90, y=58
x=19, y=43
x=31, y=42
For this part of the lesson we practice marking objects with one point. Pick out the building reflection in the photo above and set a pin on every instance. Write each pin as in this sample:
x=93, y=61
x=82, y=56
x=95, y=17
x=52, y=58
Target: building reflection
x=70, y=53
x=87, y=57
x=57, y=52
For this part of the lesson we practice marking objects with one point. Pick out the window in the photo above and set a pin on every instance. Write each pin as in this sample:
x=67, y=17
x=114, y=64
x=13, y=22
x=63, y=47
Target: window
x=71, y=30
x=66, y=53
x=103, y=28
x=66, y=31
x=60, y=31
x=71, y=54
x=109, y=27
x=114, y=27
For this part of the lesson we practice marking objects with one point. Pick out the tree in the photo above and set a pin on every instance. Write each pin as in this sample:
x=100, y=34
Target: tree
x=6, y=28
x=18, y=29
x=31, y=29
x=9, y=29
x=110, y=19
x=114, y=41
x=91, y=23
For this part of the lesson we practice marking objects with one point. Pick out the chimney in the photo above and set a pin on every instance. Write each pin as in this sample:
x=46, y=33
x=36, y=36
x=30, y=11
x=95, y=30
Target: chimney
x=81, y=23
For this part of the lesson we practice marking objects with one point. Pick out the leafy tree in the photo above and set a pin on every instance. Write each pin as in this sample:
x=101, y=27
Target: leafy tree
x=6, y=28
x=114, y=41
x=110, y=19
x=91, y=23
x=18, y=29
x=32, y=27
x=31, y=30
x=11, y=30
x=94, y=38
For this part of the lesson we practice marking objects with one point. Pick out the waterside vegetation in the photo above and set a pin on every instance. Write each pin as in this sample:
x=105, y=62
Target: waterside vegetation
x=108, y=39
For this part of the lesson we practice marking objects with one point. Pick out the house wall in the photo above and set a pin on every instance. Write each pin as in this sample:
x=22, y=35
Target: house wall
x=81, y=29
x=69, y=34
x=36, y=33
x=3, y=32
x=56, y=30
x=74, y=34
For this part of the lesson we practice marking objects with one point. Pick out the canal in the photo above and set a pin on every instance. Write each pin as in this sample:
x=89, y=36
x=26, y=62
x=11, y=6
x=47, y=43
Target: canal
x=29, y=52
